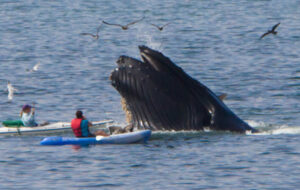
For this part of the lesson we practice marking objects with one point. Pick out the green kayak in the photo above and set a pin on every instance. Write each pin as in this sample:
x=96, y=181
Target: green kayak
x=13, y=123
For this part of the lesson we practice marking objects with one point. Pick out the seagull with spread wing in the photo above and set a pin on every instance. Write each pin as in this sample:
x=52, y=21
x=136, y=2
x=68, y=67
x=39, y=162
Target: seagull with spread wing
x=160, y=28
x=271, y=31
x=95, y=36
x=124, y=27
x=36, y=67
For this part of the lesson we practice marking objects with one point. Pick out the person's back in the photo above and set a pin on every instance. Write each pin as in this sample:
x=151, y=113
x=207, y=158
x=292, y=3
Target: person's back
x=76, y=127
x=27, y=116
x=85, y=128
x=80, y=126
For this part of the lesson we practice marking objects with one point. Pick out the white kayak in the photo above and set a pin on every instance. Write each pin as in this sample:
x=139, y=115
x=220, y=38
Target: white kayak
x=58, y=127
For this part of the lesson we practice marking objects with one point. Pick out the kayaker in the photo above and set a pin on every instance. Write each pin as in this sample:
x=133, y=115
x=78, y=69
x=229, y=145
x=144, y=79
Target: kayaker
x=80, y=126
x=27, y=116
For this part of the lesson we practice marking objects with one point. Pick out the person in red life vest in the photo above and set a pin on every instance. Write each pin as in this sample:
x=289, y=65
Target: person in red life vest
x=80, y=126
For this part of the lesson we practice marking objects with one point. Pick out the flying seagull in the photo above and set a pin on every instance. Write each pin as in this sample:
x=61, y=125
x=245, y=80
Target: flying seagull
x=160, y=28
x=95, y=36
x=124, y=27
x=10, y=90
x=271, y=31
x=35, y=68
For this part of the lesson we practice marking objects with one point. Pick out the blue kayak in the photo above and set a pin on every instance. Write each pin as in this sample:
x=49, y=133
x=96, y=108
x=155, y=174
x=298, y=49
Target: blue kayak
x=126, y=138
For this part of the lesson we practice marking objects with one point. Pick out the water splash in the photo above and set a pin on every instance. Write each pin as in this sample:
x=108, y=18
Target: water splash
x=148, y=39
x=271, y=129
x=264, y=129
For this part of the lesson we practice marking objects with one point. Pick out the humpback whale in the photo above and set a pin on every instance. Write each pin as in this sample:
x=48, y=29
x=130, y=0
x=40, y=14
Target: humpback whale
x=158, y=95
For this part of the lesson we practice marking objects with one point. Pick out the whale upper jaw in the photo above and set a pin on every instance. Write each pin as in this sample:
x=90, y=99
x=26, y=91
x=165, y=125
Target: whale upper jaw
x=148, y=57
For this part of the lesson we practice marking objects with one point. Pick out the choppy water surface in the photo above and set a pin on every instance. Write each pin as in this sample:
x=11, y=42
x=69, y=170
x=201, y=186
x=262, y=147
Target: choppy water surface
x=214, y=41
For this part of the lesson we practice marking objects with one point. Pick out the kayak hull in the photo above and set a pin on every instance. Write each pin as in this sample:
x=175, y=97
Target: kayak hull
x=59, y=127
x=127, y=138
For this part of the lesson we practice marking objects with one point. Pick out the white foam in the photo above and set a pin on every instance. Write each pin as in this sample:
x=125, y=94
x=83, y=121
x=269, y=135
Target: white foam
x=264, y=128
x=257, y=124
x=280, y=131
x=272, y=129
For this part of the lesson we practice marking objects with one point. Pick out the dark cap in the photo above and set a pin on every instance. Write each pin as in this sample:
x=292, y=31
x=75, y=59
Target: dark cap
x=26, y=106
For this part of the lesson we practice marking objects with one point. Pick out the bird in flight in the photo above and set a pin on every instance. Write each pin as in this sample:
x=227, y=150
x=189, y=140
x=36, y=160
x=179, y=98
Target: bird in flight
x=35, y=68
x=10, y=90
x=95, y=36
x=160, y=28
x=272, y=31
x=124, y=27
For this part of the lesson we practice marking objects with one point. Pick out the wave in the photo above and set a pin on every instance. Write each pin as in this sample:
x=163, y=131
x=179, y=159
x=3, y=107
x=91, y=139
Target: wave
x=264, y=129
x=271, y=129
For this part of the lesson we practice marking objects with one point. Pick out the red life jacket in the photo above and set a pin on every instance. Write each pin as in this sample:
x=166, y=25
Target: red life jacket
x=75, y=124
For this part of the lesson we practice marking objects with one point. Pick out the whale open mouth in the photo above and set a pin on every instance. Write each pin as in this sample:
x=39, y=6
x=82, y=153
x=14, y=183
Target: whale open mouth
x=159, y=95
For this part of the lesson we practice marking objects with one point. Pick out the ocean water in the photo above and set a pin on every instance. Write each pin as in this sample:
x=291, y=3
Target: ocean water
x=216, y=42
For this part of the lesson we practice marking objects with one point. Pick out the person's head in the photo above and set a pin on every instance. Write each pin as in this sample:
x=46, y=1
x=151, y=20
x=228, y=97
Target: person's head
x=26, y=108
x=79, y=114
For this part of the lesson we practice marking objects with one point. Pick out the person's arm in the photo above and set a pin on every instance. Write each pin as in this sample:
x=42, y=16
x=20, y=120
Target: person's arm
x=89, y=123
x=33, y=110
x=21, y=113
x=31, y=117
